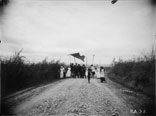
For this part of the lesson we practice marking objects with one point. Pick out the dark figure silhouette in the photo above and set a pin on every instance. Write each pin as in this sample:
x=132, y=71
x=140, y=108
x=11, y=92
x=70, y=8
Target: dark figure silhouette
x=89, y=74
x=72, y=69
x=83, y=71
x=76, y=71
x=102, y=73
x=79, y=70
x=93, y=71
x=65, y=71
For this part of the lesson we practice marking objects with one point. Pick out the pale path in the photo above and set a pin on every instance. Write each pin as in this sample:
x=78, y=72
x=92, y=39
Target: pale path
x=75, y=97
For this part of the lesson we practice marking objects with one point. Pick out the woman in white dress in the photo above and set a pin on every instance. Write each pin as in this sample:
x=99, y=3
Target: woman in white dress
x=98, y=75
x=68, y=74
x=61, y=72
x=86, y=73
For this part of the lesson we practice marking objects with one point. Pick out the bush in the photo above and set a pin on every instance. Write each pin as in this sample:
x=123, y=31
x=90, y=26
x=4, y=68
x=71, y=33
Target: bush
x=17, y=74
x=137, y=74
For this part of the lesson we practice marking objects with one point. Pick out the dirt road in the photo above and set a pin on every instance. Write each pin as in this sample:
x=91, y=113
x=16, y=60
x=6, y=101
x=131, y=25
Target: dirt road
x=77, y=97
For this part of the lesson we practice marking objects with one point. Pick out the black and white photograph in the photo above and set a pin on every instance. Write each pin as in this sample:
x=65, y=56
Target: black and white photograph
x=77, y=57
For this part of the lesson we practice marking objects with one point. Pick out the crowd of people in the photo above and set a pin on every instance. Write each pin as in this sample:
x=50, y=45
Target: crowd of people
x=81, y=71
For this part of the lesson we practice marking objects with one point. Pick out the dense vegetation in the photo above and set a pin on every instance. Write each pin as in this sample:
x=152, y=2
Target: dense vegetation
x=137, y=74
x=18, y=75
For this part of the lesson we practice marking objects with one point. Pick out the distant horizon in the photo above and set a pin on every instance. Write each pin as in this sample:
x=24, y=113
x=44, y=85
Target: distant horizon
x=78, y=61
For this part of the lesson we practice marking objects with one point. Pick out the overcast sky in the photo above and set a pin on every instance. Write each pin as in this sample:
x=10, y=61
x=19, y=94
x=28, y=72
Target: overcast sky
x=54, y=29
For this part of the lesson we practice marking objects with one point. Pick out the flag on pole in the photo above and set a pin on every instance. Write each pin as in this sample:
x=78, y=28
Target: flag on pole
x=77, y=55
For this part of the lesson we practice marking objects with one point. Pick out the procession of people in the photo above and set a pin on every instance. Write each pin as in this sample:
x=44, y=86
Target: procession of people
x=82, y=71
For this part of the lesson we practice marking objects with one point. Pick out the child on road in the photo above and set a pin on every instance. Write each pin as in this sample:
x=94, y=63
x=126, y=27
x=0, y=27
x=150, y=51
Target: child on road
x=89, y=74
x=102, y=74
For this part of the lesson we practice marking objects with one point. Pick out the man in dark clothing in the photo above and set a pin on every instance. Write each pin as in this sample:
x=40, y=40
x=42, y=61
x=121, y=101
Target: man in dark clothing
x=79, y=70
x=93, y=71
x=72, y=69
x=83, y=71
x=89, y=74
x=76, y=71
x=65, y=71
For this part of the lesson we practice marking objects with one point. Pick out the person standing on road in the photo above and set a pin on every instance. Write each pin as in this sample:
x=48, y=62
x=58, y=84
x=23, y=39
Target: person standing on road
x=76, y=71
x=72, y=69
x=65, y=71
x=83, y=71
x=102, y=74
x=61, y=72
x=89, y=74
x=98, y=73
x=79, y=70
x=93, y=71
x=86, y=72
x=68, y=74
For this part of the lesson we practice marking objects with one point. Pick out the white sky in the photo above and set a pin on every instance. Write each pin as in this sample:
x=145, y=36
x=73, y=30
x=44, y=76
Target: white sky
x=54, y=29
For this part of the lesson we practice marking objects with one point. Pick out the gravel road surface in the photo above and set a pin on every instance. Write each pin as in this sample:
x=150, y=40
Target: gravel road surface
x=77, y=97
